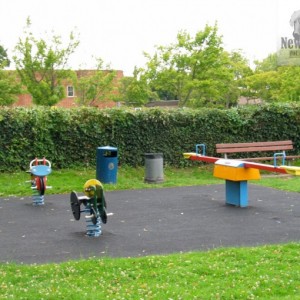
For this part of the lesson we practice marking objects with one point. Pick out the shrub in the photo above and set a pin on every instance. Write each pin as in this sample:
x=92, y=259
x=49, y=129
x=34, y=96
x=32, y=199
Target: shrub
x=69, y=138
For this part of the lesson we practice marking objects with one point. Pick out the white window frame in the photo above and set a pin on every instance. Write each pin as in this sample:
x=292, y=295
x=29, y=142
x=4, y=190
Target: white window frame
x=70, y=91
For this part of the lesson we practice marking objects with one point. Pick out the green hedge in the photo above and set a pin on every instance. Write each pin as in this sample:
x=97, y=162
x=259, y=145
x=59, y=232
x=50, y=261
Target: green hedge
x=70, y=138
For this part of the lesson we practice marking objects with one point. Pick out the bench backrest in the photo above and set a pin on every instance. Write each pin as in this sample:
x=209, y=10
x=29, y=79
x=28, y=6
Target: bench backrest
x=254, y=147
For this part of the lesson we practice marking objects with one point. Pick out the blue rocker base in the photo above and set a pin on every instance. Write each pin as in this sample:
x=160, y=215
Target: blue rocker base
x=237, y=193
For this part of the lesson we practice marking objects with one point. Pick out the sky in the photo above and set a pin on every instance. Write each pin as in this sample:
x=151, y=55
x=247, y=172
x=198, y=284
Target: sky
x=120, y=31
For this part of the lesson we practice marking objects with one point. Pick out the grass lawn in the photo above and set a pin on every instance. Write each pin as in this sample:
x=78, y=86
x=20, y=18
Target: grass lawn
x=64, y=181
x=266, y=272
x=269, y=272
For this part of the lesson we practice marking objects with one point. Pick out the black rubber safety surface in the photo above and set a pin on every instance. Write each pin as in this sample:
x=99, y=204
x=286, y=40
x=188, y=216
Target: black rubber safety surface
x=147, y=222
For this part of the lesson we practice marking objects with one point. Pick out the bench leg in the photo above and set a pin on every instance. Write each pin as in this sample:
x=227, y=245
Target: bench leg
x=237, y=193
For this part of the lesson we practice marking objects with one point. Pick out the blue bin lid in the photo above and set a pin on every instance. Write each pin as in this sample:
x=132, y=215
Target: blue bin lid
x=109, y=148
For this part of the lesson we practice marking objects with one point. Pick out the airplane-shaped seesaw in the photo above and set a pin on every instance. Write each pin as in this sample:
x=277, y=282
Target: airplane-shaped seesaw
x=237, y=173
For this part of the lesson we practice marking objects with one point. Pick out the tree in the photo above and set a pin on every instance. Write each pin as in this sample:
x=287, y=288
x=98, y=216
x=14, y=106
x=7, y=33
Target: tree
x=95, y=86
x=271, y=82
x=268, y=64
x=232, y=70
x=239, y=68
x=135, y=91
x=194, y=70
x=9, y=85
x=264, y=82
x=289, y=90
x=262, y=86
x=42, y=66
x=4, y=61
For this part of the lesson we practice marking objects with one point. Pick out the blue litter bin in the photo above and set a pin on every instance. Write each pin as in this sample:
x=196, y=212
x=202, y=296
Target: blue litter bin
x=107, y=164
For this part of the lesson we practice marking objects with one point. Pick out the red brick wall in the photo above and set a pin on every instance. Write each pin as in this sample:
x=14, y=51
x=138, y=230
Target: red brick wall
x=68, y=102
x=24, y=100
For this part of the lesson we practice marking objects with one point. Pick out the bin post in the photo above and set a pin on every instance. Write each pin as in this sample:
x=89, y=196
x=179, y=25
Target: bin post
x=107, y=164
x=154, y=168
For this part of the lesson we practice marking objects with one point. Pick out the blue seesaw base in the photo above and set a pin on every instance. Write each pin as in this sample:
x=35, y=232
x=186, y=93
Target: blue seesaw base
x=237, y=193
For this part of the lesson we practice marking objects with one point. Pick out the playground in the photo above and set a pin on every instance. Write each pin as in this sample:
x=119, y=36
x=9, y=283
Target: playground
x=147, y=222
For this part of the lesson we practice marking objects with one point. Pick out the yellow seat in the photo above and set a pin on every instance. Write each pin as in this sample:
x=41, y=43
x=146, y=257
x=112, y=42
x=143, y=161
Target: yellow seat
x=293, y=170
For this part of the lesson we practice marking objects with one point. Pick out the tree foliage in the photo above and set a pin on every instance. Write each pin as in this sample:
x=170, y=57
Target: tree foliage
x=95, y=86
x=4, y=60
x=270, y=63
x=272, y=82
x=42, y=66
x=135, y=91
x=289, y=89
x=261, y=85
x=183, y=67
x=196, y=70
x=9, y=85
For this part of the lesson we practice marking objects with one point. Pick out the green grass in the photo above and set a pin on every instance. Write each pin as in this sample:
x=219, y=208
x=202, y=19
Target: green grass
x=266, y=272
x=64, y=181
x=285, y=183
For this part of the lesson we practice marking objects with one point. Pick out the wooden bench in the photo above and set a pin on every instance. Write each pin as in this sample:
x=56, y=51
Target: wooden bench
x=277, y=148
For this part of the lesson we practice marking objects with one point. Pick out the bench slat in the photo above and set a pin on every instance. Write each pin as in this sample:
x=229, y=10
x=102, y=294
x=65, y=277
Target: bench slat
x=292, y=156
x=254, y=149
x=288, y=157
x=271, y=146
x=253, y=144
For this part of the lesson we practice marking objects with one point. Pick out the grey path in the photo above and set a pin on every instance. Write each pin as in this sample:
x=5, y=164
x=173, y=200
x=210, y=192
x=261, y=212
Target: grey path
x=147, y=222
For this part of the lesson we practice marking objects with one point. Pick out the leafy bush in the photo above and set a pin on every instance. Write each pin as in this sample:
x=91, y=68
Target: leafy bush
x=70, y=138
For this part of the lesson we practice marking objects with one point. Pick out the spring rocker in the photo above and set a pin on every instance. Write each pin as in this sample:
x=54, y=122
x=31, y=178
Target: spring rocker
x=93, y=204
x=39, y=169
x=237, y=173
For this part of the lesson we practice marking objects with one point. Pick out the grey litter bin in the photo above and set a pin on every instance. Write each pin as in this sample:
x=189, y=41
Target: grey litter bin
x=154, y=171
x=107, y=164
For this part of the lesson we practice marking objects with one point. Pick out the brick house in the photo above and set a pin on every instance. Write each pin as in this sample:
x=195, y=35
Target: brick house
x=70, y=100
